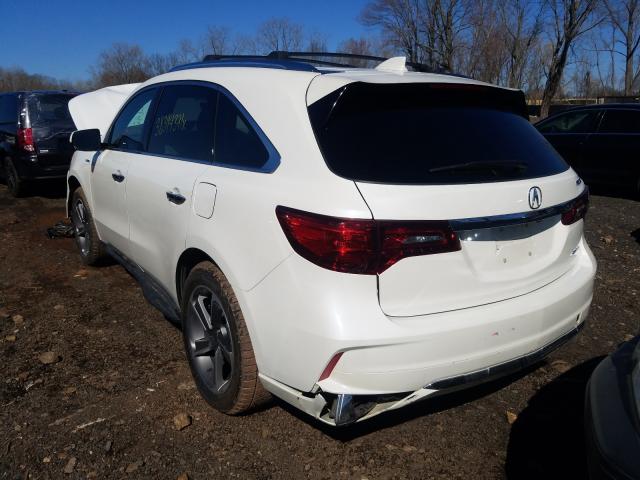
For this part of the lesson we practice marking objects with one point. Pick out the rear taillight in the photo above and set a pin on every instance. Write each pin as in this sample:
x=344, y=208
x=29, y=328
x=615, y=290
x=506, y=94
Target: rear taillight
x=363, y=246
x=577, y=209
x=25, y=140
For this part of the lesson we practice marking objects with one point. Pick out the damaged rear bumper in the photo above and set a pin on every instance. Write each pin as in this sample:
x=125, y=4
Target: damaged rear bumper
x=344, y=409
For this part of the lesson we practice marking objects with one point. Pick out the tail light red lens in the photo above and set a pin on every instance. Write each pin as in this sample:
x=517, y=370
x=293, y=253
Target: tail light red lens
x=577, y=209
x=363, y=246
x=25, y=140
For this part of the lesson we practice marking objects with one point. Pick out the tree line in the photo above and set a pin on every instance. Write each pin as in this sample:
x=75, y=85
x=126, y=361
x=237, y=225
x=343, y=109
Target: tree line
x=550, y=49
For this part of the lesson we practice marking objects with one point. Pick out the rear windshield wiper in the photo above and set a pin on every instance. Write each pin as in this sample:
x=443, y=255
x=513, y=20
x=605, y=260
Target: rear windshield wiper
x=482, y=165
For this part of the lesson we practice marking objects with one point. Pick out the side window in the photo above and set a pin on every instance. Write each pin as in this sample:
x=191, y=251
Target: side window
x=8, y=108
x=127, y=132
x=620, y=121
x=183, y=125
x=571, y=122
x=237, y=143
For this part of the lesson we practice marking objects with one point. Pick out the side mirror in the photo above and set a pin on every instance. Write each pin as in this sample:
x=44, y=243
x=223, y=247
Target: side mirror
x=86, y=140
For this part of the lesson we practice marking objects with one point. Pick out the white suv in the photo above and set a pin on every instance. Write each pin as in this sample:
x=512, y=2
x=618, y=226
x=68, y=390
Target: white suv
x=350, y=240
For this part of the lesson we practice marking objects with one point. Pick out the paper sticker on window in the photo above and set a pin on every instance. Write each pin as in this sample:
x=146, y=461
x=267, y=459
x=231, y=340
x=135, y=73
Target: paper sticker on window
x=170, y=123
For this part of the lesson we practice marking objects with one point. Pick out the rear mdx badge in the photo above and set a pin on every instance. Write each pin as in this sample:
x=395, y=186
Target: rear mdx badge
x=535, y=198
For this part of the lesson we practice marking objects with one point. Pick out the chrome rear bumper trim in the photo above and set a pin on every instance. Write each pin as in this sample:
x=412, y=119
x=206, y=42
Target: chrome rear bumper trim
x=502, y=369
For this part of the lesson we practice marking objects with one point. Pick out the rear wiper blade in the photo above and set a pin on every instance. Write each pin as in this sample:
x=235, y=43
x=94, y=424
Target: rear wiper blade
x=481, y=165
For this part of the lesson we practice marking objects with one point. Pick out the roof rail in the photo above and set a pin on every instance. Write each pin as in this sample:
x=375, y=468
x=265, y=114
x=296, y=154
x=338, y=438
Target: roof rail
x=300, y=61
x=255, y=61
x=309, y=57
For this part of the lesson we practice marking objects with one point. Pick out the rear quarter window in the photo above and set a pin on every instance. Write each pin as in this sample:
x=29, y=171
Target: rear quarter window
x=430, y=134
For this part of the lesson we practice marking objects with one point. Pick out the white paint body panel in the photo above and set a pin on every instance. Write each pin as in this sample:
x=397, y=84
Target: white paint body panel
x=298, y=314
x=96, y=109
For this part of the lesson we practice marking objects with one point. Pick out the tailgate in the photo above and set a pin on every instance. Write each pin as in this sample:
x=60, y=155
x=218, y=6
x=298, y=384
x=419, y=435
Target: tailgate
x=463, y=154
x=505, y=251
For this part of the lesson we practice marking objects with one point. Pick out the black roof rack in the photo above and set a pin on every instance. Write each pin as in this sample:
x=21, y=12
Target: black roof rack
x=312, y=57
x=301, y=61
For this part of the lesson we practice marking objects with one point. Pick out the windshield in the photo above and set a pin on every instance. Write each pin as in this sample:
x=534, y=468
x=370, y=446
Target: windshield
x=50, y=110
x=430, y=134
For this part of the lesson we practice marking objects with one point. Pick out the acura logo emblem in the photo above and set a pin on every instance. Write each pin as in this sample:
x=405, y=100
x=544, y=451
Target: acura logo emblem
x=535, y=198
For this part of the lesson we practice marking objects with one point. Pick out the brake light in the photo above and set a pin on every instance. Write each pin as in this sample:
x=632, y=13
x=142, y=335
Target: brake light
x=577, y=209
x=363, y=246
x=25, y=140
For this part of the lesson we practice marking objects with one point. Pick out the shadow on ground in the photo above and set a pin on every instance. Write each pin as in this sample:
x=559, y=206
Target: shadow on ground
x=614, y=192
x=547, y=439
x=52, y=189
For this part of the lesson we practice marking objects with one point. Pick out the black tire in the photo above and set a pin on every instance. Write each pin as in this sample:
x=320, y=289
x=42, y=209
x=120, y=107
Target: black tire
x=86, y=236
x=14, y=183
x=219, y=349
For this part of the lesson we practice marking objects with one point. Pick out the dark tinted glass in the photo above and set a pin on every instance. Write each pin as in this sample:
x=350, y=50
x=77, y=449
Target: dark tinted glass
x=9, y=108
x=184, y=123
x=430, y=134
x=50, y=110
x=237, y=143
x=620, y=121
x=127, y=132
x=573, y=122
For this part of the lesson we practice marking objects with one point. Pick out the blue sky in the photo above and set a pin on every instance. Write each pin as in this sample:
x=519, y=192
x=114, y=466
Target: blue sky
x=62, y=38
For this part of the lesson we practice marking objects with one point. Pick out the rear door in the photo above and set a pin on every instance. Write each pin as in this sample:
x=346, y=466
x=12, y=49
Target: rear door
x=612, y=153
x=161, y=183
x=569, y=133
x=110, y=170
x=441, y=152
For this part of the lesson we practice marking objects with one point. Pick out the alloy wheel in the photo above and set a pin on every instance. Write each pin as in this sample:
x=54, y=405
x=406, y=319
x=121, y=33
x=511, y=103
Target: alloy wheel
x=80, y=220
x=209, y=340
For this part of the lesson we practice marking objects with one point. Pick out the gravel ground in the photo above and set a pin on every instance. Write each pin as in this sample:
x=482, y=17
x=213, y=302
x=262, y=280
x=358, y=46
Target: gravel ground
x=104, y=403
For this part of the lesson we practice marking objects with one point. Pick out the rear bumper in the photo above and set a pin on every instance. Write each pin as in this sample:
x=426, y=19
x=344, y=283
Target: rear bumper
x=401, y=359
x=460, y=343
x=611, y=428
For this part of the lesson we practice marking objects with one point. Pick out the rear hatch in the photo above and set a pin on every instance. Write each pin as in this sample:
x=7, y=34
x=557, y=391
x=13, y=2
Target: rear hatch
x=466, y=154
x=52, y=125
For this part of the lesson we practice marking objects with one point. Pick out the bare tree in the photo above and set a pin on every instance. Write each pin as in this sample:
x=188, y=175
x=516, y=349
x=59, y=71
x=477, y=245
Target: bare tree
x=220, y=40
x=280, y=34
x=13, y=79
x=445, y=21
x=624, y=16
x=122, y=63
x=317, y=42
x=424, y=30
x=523, y=23
x=399, y=23
x=217, y=41
x=484, y=55
x=569, y=20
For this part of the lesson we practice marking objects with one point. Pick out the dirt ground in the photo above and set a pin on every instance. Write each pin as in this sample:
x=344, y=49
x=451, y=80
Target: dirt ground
x=105, y=405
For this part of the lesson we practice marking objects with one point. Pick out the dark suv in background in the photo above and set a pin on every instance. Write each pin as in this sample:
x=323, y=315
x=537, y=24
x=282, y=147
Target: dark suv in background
x=34, y=136
x=600, y=142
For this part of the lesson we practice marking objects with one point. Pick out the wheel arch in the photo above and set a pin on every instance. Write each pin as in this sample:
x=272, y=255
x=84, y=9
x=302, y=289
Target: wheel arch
x=72, y=185
x=189, y=259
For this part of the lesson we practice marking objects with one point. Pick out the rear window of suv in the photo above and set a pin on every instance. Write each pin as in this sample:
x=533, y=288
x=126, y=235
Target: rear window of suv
x=430, y=134
x=50, y=110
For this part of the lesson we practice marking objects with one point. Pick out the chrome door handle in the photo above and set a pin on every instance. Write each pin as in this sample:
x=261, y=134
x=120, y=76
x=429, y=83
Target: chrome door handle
x=117, y=176
x=175, y=197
